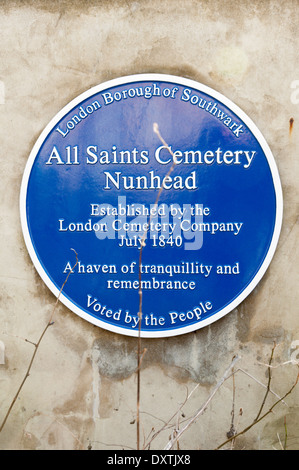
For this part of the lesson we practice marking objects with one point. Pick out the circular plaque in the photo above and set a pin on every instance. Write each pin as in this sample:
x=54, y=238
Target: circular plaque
x=158, y=198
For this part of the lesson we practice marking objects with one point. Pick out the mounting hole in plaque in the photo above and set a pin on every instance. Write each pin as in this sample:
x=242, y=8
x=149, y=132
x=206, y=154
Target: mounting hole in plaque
x=154, y=193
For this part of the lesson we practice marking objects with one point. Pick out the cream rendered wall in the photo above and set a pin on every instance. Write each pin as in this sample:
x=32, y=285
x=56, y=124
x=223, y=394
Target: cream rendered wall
x=82, y=387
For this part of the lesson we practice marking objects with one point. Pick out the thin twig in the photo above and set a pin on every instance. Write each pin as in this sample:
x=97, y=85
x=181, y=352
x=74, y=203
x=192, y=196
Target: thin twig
x=258, y=381
x=285, y=433
x=36, y=346
x=167, y=423
x=142, y=245
x=232, y=430
x=279, y=441
x=141, y=357
x=269, y=382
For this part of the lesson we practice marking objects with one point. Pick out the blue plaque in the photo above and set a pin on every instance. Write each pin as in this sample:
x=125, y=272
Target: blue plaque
x=168, y=194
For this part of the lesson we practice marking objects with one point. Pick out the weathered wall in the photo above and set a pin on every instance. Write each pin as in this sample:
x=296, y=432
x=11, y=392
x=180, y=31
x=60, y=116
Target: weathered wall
x=82, y=388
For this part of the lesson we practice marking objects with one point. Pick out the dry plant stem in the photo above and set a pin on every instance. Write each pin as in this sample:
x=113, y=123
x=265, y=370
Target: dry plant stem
x=261, y=417
x=200, y=411
x=269, y=383
x=167, y=423
x=285, y=433
x=232, y=430
x=142, y=245
x=260, y=383
x=36, y=346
